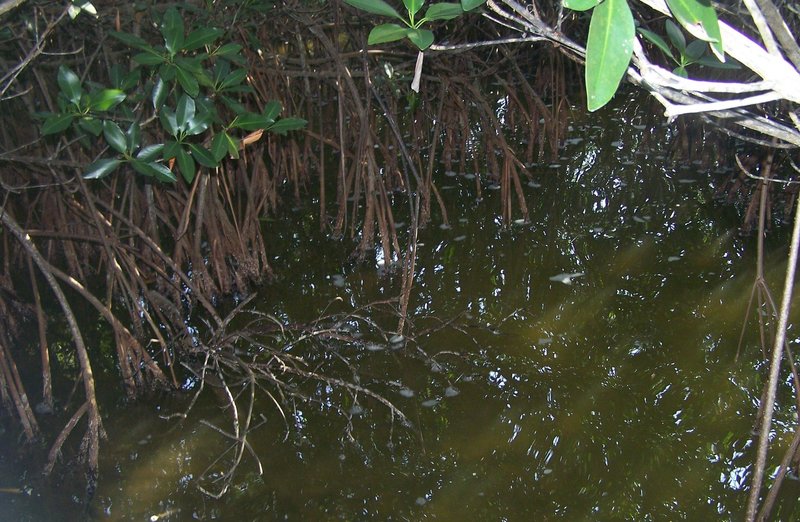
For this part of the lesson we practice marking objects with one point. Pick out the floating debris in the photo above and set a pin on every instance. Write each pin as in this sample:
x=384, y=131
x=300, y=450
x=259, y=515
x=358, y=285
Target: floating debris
x=444, y=226
x=533, y=184
x=337, y=280
x=374, y=347
x=567, y=278
x=406, y=392
x=397, y=339
x=451, y=391
x=545, y=340
x=672, y=259
x=355, y=409
x=450, y=173
x=469, y=176
x=687, y=181
x=519, y=221
x=430, y=403
x=459, y=238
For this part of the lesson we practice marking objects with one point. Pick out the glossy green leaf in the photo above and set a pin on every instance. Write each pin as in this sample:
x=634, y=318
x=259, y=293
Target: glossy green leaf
x=173, y=31
x=656, y=40
x=443, y=11
x=469, y=5
x=184, y=112
x=680, y=71
x=188, y=82
x=227, y=50
x=378, y=7
x=608, y=50
x=231, y=144
x=186, y=165
x=168, y=121
x=234, y=78
x=413, y=6
x=91, y=125
x=675, y=35
x=171, y=149
x=101, y=168
x=251, y=121
x=233, y=105
x=57, y=123
x=70, y=85
x=201, y=37
x=159, y=94
x=700, y=19
x=150, y=153
x=115, y=137
x=385, y=33
x=161, y=172
x=287, y=124
x=106, y=99
x=149, y=58
x=132, y=40
x=198, y=124
x=422, y=38
x=580, y=5
x=133, y=137
x=272, y=110
x=203, y=156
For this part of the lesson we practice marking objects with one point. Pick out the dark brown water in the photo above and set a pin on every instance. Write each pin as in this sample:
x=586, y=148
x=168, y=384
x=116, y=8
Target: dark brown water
x=589, y=372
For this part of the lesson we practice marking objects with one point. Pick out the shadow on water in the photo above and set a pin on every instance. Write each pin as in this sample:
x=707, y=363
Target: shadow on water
x=589, y=371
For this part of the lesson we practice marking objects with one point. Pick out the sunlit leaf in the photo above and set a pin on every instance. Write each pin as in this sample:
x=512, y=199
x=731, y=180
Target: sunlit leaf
x=70, y=85
x=159, y=93
x=101, y=168
x=413, y=6
x=443, y=11
x=106, y=99
x=580, y=5
x=133, y=137
x=378, y=7
x=114, y=136
x=385, y=33
x=608, y=50
x=700, y=19
x=150, y=152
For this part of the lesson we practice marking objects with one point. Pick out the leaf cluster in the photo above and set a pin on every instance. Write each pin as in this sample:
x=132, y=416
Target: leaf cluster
x=189, y=83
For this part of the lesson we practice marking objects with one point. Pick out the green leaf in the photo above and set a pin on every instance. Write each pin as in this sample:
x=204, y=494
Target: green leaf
x=386, y=33
x=198, y=124
x=106, y=99
x=186, y=165
x=184, y=113
x=378, y=7
x=201, y=37
x=422, y=38
x=168, y=121
x=675, y=35
x=149, y=58
x=696, y=49
x=161, y=172
x=700, y=19
x=233, y=105
x=159, y=93
x=91, y=125
x=608, y=50
x=171, y=149
x=656, y=40
x=115, y=137
x=57, y=123
x=203, y=156
x=188, y=82
x=133, y=138
x=70, y=85
x=167, y=72
x=469, y=5
x=101, y=168
x=713, y=61
x=287, y=124
x=580, y=5
x=413, y=6
x=251, y=121
x=272, y=110
x=132, y=40
x=172, y=29
x=443, y=11
x=223, y=142
x=227, y=50
x=150, y=152
x=235, y=77
x=680, y=71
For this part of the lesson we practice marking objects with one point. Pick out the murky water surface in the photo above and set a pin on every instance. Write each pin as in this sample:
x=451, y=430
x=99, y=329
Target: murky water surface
x=586, y=371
